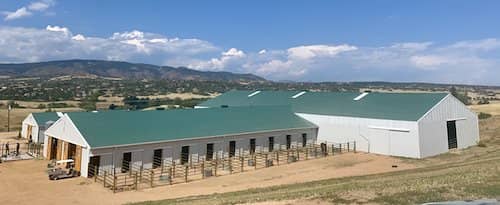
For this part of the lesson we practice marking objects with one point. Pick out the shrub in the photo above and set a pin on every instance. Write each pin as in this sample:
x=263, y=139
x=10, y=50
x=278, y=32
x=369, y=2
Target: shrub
x=483, y=115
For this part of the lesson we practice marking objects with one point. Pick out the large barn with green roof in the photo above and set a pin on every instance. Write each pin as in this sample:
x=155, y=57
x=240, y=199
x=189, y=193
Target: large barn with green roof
x=120, y=140
x=412, y=125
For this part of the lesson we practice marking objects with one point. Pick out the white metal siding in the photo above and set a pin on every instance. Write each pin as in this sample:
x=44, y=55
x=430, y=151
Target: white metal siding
x=172, y=150
x=433, y=131
x=380, y=141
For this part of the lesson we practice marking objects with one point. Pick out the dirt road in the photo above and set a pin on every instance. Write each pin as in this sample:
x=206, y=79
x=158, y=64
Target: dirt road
x=25, y=182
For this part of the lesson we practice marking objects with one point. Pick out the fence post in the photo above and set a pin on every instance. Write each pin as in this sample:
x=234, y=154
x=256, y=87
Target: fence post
x=298, y=154
x=230, y=165
x=104, y=178
x=216, y=166
x=152, y=178
x=354, y=146
x=114, y=184
x=277, y=158
x=173, y=170
x=348, y=146
x=307, y=153
x=287, y=156
x=170, y=175
x=203, y=169
x=333, y=149
x=255, y=161
x=242, y=164
x=186, y=173
x=140, y=172
x=135, y=181
x=340, y=147
x=95, y=173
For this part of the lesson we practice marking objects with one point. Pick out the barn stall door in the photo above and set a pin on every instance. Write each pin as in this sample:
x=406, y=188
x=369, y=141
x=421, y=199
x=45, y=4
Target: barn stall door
x=452, y=134
x=136, y=159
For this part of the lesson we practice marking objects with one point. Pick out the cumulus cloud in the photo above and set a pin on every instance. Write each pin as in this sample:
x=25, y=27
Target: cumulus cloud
x=471, y=61
x=25, y=11
x=19, y=13
x=20, y=44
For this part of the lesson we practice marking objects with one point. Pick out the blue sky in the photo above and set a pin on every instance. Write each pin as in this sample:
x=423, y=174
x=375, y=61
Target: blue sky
x=429, y=41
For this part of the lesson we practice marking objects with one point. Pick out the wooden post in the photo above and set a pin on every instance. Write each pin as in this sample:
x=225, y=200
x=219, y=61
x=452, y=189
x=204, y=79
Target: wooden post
x=152, y=177
x=298, y=154
x=161, y=169
x=230, y=165
x=170, y=175
x=95, y=173
x=203, y=169
x=333, y=149
x=242, y=163
x=287, y=156
x=354, y=146
x=340, y=147
x=104, y=178
x=186, y=173
x=307, y=153
x=135, y=181
x=255, y=161
x=173, y=168
x=216, y=167
x=278, y=158
x=140, y=172
x=114, y=184
x=348, y=146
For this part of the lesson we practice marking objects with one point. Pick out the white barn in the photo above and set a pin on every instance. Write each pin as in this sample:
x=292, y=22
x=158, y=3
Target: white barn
x=117, y=140
x=414, y=125
x=34, y=125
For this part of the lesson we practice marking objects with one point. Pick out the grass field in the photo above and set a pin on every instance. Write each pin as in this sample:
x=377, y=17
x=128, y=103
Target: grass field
x=17, y=116
x=473, y=173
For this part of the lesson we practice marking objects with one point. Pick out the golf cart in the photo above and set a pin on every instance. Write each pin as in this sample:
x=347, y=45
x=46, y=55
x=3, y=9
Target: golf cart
x=62, y=169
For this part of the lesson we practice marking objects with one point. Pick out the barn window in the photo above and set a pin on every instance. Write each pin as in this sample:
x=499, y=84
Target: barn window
x=304, y=139
x=271, y=144
x=288, y=141
x=157, y=158
x=252, y=146
x=232, y=148
x=184, y=154
x=210, y=152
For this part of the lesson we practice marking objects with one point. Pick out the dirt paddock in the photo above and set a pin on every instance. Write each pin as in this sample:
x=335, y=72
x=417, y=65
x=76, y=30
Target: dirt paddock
x=25, y=182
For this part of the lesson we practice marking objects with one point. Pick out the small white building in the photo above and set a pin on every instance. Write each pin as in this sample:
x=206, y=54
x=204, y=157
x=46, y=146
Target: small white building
x=120, y=140
x=35, y=124
x=414, y=125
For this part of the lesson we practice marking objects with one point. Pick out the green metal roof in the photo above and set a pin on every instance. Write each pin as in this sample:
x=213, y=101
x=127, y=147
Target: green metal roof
x=104, y=129
x=394, y=106
x=43, y=117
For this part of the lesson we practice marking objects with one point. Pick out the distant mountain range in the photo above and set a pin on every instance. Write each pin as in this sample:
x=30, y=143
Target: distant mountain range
x=117, y=69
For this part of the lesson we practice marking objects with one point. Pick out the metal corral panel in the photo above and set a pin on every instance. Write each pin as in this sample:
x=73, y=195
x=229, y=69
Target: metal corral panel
x=197, y=147
x=433, y=131
x=388, y=137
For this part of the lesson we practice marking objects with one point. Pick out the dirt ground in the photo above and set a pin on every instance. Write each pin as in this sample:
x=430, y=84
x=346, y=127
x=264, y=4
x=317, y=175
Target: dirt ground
x=25, y=182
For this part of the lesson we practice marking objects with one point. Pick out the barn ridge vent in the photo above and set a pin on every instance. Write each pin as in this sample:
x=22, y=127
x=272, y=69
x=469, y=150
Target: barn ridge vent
x=254, y=93
x=362, y=95
x=299, y=94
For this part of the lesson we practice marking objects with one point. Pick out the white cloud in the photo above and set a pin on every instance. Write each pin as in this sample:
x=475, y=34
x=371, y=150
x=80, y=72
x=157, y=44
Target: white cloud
x=19, y=13
x=476, y=61
x=25, y=11
x=63, y=30
x=78, y=37
x=312, y=51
